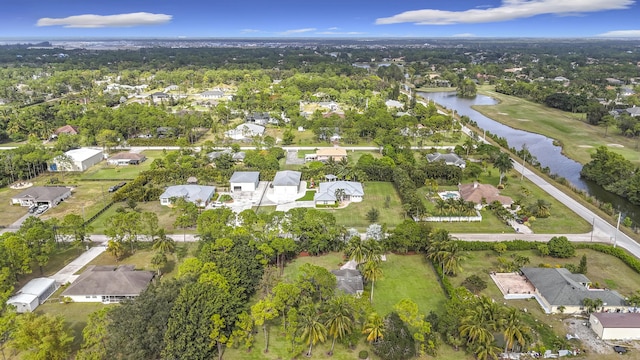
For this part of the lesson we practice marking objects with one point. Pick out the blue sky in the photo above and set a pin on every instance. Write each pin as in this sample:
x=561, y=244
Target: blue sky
x=327, y=18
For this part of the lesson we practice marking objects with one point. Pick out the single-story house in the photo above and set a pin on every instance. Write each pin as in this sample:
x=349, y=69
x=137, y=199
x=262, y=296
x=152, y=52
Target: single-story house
x=633, y=111
x=244, y=181
x=394, y=104
x=616, y=325
x=556, y=287
x=326, y=194
x=197, y=194
x=349, y=281
x=258, y=118
x=76, y=160
x=448, y=159
x=481, y=194
x=67, y=129
x=244, y=131
x=237, y=157
x=126, y=158
x=108, y=284
x=159, y=96
x=34, y=293
x=212, y=94
x=286, y=182
x=41, y=195
x=335, y=153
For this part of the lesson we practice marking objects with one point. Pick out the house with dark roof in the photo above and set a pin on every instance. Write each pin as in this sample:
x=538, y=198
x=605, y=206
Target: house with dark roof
x=159, y=96
x=633, y=111
x=286, y=183
x=616, y=325
x=258, y=118
x=481, y=194
x=244, y=181
x=235, y=156
x=326, y=193
x=108, y=284
x=197, y=194
x=558, y=287
x=349, y=281
x=126, y=158
x=42, y=195
x=448, y=159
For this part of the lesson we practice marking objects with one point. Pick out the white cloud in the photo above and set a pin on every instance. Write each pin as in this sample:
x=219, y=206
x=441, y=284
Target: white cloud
x=298, y=31
x=508, y=10
x=248, y=31
x=333, y=28
x=622, y=34
x=100, y=21
x=340, y=33
x=464, y=35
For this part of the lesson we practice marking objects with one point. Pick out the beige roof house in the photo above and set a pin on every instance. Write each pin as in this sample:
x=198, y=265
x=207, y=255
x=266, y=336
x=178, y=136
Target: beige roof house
x=475, y=192
x=335, y=153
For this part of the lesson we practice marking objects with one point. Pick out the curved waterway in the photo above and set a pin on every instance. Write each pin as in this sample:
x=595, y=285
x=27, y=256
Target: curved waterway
x=542, y=147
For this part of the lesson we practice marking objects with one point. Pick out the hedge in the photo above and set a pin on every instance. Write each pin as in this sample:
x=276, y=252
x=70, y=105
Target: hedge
x=444, y=281
x=512, y=245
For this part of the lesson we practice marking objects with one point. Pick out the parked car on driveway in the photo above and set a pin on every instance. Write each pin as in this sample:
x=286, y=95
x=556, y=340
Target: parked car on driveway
x=116, y=187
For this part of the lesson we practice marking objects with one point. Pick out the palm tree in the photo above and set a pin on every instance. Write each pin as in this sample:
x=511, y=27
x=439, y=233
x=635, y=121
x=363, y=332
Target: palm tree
x=355, y=249
x=451, y=257
x=313, y=331
x=372, y=272
x=515, y=330
x=374, y=328
x=372, y=250
x=339, y=318
x=503, y=163
x=163, y=243
x=473, y=328
x=340, y=194
x=116, y=249
x=541, y=208
x=485, y=351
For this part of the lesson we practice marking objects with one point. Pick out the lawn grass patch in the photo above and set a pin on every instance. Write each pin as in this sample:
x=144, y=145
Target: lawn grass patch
x=104, y=171
x=375, y=194
x=11, y=213
x=308, y=196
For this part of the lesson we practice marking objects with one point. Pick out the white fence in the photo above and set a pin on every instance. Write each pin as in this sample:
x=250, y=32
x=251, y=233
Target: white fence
x=476, y=218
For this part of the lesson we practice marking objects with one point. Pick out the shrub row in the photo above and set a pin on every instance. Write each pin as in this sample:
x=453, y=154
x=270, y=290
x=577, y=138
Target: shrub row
x=512, y=245
x=408, y=192
x=444, y=281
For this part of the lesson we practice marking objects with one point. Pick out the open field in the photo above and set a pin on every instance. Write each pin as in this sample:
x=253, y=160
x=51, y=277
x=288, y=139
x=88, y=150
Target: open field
x=375, y=193
x=105, y=171
x=86, y=200
x=578, y=138
x=166, y=217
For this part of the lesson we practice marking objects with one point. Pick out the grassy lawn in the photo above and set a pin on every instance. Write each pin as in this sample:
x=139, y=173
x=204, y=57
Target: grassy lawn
x=56, y=262
x=375, y=193
x=578, y=137
x=10, y=213
x=308, y=196
x=105, y=171
x=86, y=200
x=166, y=217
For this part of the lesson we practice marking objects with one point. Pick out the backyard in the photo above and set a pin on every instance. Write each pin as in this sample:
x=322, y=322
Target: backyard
x=375, y=196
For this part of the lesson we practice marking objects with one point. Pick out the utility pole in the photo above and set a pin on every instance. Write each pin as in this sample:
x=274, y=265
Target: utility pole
x=615, y=236
x=593, y=226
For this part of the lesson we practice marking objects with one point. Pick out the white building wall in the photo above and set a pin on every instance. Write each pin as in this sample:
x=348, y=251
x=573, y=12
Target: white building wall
x=285, y=190
x=84, y=299
x=87, y=163
x=620, y=334
x=244, y=186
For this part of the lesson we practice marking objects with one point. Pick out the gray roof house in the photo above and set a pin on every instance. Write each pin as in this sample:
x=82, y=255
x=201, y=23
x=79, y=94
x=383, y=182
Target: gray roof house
x=108, y=284
x=197, y=194
x=633, y=111
x=39, y=195
x=244, y=181
x=286, y=183
x=239, y=156
x=349, y=281
x=449, y=159
x=258, y=118
x=559, y=287
x=326, y=193
x=244, y=131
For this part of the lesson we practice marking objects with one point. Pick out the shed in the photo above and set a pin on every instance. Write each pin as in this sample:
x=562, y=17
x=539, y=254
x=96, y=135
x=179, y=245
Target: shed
x=76, y=160
x=616, y=325
x=244, y=181
x=34, y=293
x=286, y=183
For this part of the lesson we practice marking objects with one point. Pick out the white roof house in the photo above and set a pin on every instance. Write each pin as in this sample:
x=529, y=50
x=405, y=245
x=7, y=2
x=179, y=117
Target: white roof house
x=34, y=293
x=286, y=183
x=197, y=194
x=449, y=159
x=245, y=131
x=244, y=181
x=77, y=160
x=326, y=194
